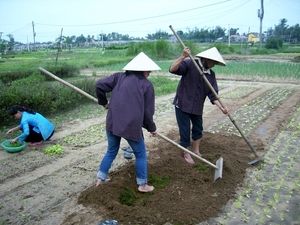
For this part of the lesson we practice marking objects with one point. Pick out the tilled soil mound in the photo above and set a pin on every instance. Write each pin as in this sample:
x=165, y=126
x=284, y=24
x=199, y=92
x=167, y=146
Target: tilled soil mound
x=190, y=196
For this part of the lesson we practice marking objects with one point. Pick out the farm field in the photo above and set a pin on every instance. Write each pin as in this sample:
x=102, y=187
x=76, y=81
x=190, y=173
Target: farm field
x=40, y=189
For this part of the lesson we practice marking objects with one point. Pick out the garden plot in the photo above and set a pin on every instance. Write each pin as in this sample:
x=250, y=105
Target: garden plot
x=272, y=192
x=24, y=162
x=250, y=114
x=89, y=136
x=48, y=192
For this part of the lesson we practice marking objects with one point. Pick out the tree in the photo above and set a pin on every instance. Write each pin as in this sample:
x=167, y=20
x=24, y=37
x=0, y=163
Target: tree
x=180, y=32
x=158, y=35
x=270, y=32
x=218, y=32
x=103, y=36
x=69, y=41
x=233, y=31
x=80, y=40
x=11, y=42
x=125, y=37
x=281, y=30
x=3, y=45
x=274, y=43
x=294, y=33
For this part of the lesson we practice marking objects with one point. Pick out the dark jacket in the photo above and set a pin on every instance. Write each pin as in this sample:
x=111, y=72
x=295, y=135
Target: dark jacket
x=131, y=104
x=192, y=89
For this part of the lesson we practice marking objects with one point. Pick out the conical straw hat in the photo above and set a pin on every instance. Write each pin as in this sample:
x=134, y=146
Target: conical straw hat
x=141, y=63
x=212, y=54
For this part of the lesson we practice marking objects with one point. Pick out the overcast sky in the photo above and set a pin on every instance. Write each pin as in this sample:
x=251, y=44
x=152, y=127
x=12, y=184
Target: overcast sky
x=136, y=18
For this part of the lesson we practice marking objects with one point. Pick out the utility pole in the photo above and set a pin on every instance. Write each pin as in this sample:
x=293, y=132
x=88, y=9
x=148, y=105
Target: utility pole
x=34, y=49
x=261, y=16
x=102, y=43
x=228, y=34
x=27, y=44
x=59, y=47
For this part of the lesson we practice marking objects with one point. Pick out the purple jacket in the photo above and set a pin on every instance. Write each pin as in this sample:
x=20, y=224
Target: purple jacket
x=192, y=89
x=131, y=104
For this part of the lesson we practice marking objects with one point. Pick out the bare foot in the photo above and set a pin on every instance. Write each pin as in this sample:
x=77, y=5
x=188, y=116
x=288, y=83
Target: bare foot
x=145, y=188
x=188, y=158
x=198, y=153
x=99, y=181
x=32, y=144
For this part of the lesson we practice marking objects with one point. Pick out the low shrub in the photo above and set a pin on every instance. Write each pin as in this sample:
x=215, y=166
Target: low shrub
x=43, y=96
x=274, y=43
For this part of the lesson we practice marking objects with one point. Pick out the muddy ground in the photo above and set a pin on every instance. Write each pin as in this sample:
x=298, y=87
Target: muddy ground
x=40, y=189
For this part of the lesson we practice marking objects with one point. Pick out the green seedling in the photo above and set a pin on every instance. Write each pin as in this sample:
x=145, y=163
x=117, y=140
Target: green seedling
x=246, y=218
x=266, y=212
x=26, y=217
x=282, y=216
x=271, y=204
x=262, y=220
x=276, y=198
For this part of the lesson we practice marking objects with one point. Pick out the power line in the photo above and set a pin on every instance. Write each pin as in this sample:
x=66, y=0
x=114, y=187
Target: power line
x=146, y=18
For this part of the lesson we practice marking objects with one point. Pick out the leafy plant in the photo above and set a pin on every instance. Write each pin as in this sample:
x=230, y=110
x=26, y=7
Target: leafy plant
x=54, y=150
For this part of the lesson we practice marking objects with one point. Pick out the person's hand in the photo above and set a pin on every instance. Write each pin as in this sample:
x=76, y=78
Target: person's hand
x=224, y=110
x=154, y=133
x=186, y=52
x=105, y=106
x=14, y=140
x=9, y=132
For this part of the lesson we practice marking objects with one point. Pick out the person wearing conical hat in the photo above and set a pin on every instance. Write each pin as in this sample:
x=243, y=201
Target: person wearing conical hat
x=130, y=108
x=191, y=93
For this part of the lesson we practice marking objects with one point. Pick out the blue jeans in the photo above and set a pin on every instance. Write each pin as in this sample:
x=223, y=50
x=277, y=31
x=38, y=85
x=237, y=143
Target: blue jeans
x=139, y=150
x=184, y=121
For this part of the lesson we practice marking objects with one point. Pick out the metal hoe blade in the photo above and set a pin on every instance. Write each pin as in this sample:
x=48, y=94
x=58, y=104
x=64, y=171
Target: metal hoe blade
x=256, y=160
x=219, y=171
x=219, y=164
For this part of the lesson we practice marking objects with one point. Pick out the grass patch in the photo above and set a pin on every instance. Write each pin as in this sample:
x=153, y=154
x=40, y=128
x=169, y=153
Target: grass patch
x=201, y=167
x=260, y=69
x=163, y=85
x=159, y=182
x=128, y=197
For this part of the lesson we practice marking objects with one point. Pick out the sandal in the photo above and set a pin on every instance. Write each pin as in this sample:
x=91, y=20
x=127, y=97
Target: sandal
x=127, y=155
x=127, y=149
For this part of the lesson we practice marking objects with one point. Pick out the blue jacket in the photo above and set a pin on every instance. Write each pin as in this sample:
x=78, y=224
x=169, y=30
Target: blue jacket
x=39, y=123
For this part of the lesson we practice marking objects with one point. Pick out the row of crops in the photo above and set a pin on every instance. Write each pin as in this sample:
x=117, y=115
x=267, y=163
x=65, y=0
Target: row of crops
x=272, y=194
x=252, y=113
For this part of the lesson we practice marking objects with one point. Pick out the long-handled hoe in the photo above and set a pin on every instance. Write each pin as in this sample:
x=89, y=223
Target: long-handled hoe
x=219, y=164
x=213, y=90
x=218, y=167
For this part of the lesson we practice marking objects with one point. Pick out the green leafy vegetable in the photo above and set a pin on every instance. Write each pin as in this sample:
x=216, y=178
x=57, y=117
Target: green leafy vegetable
x=54, y=150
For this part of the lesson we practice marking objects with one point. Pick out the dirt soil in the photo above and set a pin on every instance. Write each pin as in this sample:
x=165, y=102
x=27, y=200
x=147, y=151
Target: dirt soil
x=41, y=189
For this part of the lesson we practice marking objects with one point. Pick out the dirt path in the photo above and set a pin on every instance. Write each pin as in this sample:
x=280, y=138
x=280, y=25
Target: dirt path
x=41, y=189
